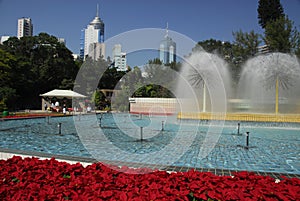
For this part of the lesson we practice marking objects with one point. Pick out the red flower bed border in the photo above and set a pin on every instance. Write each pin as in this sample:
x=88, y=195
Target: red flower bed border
x=35, y=179
x=37, y=115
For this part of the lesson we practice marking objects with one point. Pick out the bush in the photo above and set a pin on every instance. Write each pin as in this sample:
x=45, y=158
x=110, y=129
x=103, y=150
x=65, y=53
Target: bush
x=3, y=106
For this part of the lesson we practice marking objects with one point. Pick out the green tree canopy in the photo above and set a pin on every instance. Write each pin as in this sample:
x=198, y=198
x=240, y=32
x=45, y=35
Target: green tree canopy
x=7, y=91
x=110, y=78
x=281, y=36
x=268, y=11
x=7, y=62
x=99, y=100
x=222, y=48
x=41, y=64
x=246, y=43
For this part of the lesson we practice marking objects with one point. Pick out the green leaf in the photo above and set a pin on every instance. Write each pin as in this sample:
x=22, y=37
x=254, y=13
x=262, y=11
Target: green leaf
x=16, y=180
x=66, y=176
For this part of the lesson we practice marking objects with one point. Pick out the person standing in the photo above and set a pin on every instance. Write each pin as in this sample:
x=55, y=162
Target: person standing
x=64, y=109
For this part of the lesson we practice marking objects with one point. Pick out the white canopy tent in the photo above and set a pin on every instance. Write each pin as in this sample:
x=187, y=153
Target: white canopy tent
x=59, y=93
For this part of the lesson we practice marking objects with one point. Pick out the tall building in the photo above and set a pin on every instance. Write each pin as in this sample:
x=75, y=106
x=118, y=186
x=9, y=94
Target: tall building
x=167, y=49
x=119, y=58
x=25, y=27
x=81, y=51
x=94, y=33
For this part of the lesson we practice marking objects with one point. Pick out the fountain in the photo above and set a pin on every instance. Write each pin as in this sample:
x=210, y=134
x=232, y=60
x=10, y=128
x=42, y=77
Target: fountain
x=164, y=141
x=204, y=72
x=268, y=89
x=270, y=83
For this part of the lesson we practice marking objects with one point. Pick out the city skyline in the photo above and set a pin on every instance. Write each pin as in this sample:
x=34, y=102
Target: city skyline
x=197, y=20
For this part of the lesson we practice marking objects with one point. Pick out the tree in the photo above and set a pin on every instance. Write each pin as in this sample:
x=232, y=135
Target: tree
x=7, y=61
x=235, y=54
x=120, y=100
x=132, y=80
x=155, y=61
x=7, y=98
x=67, y=84
x=7, y=92
x=246, y=43
x=90, y=72
x=268, y=11
x=280, y=36
x=153, y=91
x=99, y=100
x=244, y=47
x=40, y=61
x=175, y=66
x=158, y=78
x=110, y=78
x=296, y=49
x=211, y=46
x=222, y=48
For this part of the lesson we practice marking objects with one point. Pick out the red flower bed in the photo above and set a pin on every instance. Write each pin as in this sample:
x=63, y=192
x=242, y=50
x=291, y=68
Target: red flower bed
x=33, y=115
x=34, y=179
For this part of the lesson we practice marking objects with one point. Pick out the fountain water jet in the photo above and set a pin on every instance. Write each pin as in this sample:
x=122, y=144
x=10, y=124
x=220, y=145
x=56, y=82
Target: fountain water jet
x=265, y=72
x=210, y=73
x=207, y=71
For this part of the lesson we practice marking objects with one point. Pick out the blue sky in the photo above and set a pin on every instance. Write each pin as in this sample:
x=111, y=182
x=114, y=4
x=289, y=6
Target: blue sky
x=198, y=20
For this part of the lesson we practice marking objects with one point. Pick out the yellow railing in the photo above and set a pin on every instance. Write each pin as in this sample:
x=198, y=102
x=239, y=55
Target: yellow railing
x=240, y=117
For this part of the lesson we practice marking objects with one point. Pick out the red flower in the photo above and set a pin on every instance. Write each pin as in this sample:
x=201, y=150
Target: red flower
x=34, y=179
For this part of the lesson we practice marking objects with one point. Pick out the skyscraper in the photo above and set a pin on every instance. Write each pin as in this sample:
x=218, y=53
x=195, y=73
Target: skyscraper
x=25, y=27
x=119, y=58
x=81, y=51
x=167, y=49
x=94, y=33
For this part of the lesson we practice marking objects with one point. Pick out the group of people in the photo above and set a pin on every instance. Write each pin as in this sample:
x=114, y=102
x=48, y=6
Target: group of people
x=56, y=108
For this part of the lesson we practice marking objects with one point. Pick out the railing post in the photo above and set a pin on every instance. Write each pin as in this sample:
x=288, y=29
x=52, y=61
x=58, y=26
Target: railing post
x=141, y=133
x=100, y=119
x=59, y=128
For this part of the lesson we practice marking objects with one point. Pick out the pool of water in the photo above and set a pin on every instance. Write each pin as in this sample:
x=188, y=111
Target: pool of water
x=272, y=147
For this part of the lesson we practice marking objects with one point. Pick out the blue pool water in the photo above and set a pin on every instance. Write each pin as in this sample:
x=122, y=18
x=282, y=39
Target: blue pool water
x=273, y=147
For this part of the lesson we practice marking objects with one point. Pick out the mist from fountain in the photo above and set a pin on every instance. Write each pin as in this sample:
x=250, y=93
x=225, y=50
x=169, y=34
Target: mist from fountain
x=204, y=88
x=270, y=83
x=206, y=85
